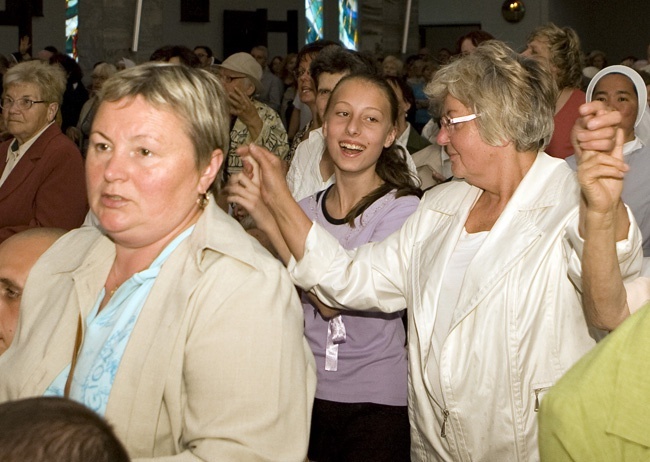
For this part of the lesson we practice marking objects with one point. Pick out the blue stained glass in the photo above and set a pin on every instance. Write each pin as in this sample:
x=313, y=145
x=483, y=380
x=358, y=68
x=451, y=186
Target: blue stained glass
x=72, y=27
x=348, y=23
x=314, y=13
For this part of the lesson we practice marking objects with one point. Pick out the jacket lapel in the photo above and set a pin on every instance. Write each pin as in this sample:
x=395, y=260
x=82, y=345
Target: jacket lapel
x=85, y=282
x=27, y=163
x=509, y=239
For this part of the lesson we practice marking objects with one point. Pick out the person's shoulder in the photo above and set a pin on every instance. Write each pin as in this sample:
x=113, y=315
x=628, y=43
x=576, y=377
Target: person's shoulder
x=57, y=142
x=391, y=206
x=576, y=99
x=71, y=249
x=219, y=239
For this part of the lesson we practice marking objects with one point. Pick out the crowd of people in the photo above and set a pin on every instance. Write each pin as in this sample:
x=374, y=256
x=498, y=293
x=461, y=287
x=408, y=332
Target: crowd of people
x=326, y=256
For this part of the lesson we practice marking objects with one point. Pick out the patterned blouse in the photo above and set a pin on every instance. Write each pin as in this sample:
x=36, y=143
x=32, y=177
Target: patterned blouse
x=273, y=136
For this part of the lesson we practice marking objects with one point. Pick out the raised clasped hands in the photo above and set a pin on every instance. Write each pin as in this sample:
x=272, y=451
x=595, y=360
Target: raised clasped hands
x=259, y=184
x=599, y=150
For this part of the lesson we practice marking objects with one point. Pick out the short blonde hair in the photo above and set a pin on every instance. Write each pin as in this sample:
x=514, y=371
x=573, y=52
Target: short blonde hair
x=195, y=95
x=564, y=47
x=515, y=96
x=49, y=78
x=399, y=64
x=104, y=70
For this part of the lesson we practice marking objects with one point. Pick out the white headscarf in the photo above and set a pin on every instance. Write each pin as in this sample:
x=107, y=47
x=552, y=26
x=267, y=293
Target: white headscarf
x=636, y=79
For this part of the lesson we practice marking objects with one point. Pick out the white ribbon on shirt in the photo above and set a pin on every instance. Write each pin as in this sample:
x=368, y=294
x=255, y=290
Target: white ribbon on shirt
x=335, y=336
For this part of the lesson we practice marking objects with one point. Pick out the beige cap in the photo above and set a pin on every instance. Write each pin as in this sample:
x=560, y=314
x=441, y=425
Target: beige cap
x=244, y=63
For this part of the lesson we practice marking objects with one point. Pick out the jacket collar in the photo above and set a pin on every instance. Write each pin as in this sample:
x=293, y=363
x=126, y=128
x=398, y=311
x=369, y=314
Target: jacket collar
x=218, y=233
x=515, y=230
x=28, y=161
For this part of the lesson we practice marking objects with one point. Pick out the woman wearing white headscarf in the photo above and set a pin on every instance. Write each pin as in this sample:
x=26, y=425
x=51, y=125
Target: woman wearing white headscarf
x=622, y=89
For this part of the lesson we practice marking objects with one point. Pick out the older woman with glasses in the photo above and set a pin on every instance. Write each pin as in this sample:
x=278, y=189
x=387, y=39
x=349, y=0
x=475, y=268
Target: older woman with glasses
x=169, y=321
x=488, y=265
x=41, y=171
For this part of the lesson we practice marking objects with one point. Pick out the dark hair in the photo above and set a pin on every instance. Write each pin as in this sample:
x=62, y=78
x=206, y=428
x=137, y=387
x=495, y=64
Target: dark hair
x=407, y=92
x=70, y=66
x=46, y=429
x=184, y=54
x=645, y=76
x=313, y=48
x=476, y=37
x=391, y=166
x=207, y=49
x=51, y=49
x=335, y=60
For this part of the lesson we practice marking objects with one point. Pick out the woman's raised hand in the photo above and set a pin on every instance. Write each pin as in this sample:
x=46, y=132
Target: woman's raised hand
x=268, y=172
x=243, y=189
x=599, y=151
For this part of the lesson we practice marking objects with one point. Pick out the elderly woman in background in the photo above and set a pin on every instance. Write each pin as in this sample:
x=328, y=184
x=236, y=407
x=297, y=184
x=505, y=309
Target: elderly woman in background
x=559, y=50
x=488, y=266
x=154, y=324
x=41, y=171
x=81, y=132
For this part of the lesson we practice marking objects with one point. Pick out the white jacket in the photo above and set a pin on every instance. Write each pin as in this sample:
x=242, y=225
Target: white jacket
x=518, y=325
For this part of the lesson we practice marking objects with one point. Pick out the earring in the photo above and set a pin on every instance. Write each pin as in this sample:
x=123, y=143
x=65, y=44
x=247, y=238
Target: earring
x=203, y=200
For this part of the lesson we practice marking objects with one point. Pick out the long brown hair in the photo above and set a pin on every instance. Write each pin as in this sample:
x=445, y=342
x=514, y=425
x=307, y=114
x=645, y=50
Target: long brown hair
x=391, y=166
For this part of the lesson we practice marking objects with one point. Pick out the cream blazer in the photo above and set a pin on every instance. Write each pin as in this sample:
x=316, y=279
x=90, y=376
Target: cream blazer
x=517, y=327
x=216, y=368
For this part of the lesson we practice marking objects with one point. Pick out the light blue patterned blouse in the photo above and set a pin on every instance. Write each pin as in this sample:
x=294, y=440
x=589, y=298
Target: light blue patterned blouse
x=107, y=334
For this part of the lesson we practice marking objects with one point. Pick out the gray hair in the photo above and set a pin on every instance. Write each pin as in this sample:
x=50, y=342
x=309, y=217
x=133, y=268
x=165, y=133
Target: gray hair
x=49, y=78
x=195, y=95
x=515, y=96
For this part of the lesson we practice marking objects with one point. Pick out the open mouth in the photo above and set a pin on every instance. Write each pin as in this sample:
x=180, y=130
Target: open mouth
x=351, y=149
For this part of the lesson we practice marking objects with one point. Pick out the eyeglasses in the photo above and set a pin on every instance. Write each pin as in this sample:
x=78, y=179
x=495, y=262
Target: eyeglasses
x=23, y=103
x=448, y=123
x=228, y=78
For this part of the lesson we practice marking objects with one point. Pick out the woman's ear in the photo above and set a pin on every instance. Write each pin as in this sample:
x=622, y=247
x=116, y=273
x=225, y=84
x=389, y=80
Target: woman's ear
x=52, y=109
x=390, y=138
x=209, y=173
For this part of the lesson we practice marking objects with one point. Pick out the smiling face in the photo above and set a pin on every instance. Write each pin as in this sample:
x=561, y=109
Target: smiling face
x=306, y=87
x=358, y=125
x=617, y=92
x=24, y=124
x=143, y=182
x=469, y=155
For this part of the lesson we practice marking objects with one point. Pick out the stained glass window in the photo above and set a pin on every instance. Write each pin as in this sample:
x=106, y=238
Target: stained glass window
x=348, y=21
x=71, y=27
x=314, y=10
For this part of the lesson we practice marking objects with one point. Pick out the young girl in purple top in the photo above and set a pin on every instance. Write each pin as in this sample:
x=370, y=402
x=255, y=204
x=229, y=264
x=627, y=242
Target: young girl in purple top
x=360, y=408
